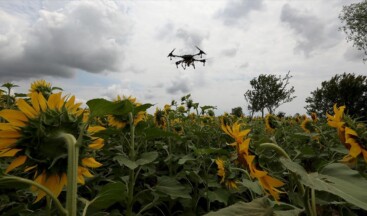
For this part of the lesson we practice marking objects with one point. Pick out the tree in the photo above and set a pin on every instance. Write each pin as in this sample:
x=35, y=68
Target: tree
x=237, y=111
x=355, y=18
x=346, y=89
x=269, y=92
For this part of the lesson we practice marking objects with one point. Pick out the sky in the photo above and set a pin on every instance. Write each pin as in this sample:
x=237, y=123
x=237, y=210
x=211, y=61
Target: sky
x=101, y=49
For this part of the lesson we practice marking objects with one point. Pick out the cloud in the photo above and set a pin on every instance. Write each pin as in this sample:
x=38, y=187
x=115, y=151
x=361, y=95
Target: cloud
x=189, y=36
x=83, y=35
x=182, y=85
x=312, y=32
x=231, y=52
x=235, y=10
x=353, y=54
x=116, y=89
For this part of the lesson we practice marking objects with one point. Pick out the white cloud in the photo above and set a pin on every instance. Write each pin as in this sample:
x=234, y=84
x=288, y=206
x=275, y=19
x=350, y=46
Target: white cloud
x=83, y=35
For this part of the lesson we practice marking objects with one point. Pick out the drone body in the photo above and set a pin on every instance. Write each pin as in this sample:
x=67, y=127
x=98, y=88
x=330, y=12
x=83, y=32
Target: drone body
x=187, y=60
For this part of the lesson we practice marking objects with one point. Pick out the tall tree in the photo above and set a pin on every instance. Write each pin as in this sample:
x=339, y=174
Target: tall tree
x=345, y=89
x=268, y=92
x=354, y=18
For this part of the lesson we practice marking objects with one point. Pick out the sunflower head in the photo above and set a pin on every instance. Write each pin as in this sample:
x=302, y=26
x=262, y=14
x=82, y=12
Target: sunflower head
x=308, y=126
x=271, y=122
x=30, y=135
x=120, y=121
x=41, y=86
x=159, y=118
x=167, y=108
x=314, y=117
x=181, y=109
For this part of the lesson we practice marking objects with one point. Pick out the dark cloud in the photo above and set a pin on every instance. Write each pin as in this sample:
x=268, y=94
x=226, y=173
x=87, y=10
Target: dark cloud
x=312, y=32
x=84, y=35
x=235, y=10
x=177, y=86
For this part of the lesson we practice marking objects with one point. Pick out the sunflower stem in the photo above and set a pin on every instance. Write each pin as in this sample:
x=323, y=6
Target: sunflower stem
x=71, y=189
x=62, y=210
x=131, y=185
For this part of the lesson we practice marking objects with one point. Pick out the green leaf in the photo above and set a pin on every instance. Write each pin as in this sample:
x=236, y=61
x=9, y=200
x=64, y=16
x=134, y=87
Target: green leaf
x=122, y=160
x=220, y=195
x=253, y=186
x=143, y=107
x=172, y=187
x=109, y=194
x=101, y=107
x=186, y=158
x=335, y=178
x=258, y=207
x=147, y=157
x=152, y=133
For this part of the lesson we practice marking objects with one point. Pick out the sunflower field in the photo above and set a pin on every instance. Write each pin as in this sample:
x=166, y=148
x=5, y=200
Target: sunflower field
x=61, y=157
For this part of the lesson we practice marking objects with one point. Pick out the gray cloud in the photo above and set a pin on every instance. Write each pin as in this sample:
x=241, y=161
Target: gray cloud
x=235, y=10
x=187, y=35
x=231, y=52
x=83, y=35
x=353, y=54
x=312, y=32
x=180, y=85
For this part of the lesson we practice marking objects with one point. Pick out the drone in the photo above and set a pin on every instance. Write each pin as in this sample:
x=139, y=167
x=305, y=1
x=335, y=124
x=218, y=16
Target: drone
x=188, y=60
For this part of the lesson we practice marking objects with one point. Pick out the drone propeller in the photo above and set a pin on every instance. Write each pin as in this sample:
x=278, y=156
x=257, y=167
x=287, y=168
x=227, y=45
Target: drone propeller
x=201, y=52
x=171, y=54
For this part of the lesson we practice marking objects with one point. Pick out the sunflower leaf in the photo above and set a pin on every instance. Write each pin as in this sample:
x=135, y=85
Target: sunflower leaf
x=258, y=207
x=147, y=158
x=335, y=178
x=102, y=107
x=173, y=188
x=108, y=195
x=122, y=160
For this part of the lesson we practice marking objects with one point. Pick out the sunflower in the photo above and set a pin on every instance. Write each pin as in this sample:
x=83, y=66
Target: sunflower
x=268, y=183
x=230, y=183
x=353, y=143
x=120, y=121
x=160, y=119
x=307, y=126
x=41, y=86
x=314, y=117
x=270, y=122
x=336, y=121
x=30, y=136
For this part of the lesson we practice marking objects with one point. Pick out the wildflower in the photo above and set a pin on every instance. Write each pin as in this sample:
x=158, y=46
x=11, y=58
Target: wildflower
x=29, y=137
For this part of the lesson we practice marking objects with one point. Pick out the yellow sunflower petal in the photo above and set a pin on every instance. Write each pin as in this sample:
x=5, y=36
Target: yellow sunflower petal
x=40, y=180
x=27, y=109
x=14, y=117
x=7, y=127
x=9, y=152
x=42, y=102
x=6, y=143
x=30, y=168
x=9, y=134
x=97, y=144
x=54, y=101
x=355, y=149
x=54, y=184
x=16, y=163
x=95, y=129
x=91, y=162
x=80, y=177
